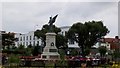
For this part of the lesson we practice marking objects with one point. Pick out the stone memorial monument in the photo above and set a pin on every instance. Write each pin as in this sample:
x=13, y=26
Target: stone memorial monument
x=50, y=51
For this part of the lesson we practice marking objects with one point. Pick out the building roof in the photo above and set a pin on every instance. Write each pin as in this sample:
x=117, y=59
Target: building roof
x=63, y=27
x=110, y=40
x=114, y=43
x=73, y=46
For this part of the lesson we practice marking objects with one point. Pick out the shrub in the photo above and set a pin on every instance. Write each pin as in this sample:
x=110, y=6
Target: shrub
x=13, y=58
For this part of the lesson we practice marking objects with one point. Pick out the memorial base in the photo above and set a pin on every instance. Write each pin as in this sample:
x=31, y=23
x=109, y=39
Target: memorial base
x=50, y=51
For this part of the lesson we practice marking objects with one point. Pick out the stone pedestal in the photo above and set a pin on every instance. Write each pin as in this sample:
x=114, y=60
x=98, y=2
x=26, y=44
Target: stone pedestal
x=50, y=51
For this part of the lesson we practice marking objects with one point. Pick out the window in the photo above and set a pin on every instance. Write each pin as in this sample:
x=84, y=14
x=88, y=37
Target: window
x=30, y=37
x=23, y=43
x=21, y=39
x=26, y=43
x=30, y=43
x=24, y=38
x=17, y=39
x=65, y=33
x=27, y=38
x=34, y=43
x=52, y=50
x=18, y=43
x=37, y=42
x=71, y=41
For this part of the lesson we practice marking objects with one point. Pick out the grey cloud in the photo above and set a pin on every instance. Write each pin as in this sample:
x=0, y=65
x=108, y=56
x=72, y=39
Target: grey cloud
x=59, y=0
x=23, y=16
x=86, y=9
x=109, y=18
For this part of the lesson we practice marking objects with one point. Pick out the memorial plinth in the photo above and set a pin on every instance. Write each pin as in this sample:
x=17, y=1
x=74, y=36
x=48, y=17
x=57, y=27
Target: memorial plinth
x=50, y=51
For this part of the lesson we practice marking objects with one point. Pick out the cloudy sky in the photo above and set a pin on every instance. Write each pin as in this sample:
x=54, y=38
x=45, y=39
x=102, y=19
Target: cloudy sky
x=25, y=16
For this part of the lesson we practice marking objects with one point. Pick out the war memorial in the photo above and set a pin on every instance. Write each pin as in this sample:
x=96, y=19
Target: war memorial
x=50, y=51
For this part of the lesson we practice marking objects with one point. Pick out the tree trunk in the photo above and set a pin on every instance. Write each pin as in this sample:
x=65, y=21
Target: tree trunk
x=82, y=49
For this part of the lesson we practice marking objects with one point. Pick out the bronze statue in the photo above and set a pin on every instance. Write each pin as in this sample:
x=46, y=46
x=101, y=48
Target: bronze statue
x=51, y=21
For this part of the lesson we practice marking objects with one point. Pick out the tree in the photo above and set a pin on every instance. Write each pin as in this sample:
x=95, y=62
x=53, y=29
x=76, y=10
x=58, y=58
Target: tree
x=13, y=58
x=102, y=51
x=28, y=51
x=116, y=54
x=60, y=40
x=74, y=52
x=87, y=51
x=36, y=50
x=21, y=49
x=8, y=40
x=87, y=34
x=62, y=56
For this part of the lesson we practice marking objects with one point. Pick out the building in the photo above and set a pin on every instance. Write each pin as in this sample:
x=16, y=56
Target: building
x=1, y=32
x=114, y=43
x=110, y=43
x=1, y=42
x=64, y=30
x=71, y=43
x=106, y=44
x=27, y=39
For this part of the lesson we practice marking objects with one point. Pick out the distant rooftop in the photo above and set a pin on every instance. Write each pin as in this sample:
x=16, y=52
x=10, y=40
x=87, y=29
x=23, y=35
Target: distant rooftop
x=110, y=40
x=65, y=27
